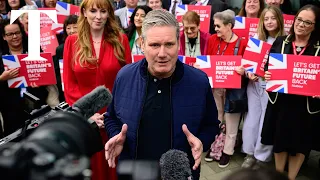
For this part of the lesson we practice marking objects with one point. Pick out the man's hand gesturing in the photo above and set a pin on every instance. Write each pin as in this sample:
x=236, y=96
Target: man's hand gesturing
x=114, y=146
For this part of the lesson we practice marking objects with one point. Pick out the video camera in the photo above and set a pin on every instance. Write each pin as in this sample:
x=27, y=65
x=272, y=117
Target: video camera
x=56, y=143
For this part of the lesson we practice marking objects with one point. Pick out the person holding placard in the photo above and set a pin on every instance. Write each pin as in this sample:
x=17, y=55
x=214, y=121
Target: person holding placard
x=229, y=102
x=269, y=28
x=91, y=58
x=11, y=107
x=288, y=120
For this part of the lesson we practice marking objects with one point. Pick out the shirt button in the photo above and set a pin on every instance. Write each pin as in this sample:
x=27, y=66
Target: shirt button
x=155, y=80
x=159, y=91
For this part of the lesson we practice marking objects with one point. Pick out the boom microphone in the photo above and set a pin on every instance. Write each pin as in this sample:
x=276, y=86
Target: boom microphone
x=92, y=102
x=174, y=165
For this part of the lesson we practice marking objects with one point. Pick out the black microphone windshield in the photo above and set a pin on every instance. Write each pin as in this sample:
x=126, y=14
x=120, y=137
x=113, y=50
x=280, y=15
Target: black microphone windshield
x=174, y=165
x=92, y=102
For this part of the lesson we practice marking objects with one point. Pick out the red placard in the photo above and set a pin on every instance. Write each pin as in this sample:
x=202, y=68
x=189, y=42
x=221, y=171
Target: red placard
x=288, y=21
x=221, y=70
x=48, y=40
x=187, y=60
x=203, y=11
x=255, y=56
x=45, y=20
x=31, y=73
x=63, y=11
x=294, y=74
x=245, y=27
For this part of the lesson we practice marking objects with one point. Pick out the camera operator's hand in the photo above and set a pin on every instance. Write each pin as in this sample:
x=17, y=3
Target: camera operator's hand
x=9, y=74
x=196, y=146
x=114, y=146
x=98, y=118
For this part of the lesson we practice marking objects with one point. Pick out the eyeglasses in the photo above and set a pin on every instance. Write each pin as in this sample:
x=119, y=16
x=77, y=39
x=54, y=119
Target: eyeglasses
x=10, y=35
x=191, y=28
x=305, y=23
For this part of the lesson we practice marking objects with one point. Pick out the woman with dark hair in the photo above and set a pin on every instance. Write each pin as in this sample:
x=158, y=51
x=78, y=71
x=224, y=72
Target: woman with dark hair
x=251, y=8
x=134, y=30
x=69, y=27
x=288, y=119
x=16, y=42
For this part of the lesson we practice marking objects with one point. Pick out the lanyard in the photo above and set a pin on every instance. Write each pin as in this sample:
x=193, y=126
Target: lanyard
x=295, y=50
x=225, y=47
x=192, y=51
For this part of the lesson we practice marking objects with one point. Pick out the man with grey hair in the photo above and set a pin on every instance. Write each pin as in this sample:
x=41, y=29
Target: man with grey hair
x=159, y=103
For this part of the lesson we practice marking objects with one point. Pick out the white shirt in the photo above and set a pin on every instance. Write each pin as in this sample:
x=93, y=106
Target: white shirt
x=136, y=50
x=270, y=39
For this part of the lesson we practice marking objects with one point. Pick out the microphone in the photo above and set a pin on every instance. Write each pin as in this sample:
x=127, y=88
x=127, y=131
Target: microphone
x=87, y=106
x=92, y=102
x=174, y=165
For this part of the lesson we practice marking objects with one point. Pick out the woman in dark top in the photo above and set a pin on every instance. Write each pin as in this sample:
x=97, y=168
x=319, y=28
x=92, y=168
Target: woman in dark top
x=288, y=119
x=69, y=27
x=133, y=32
x=11, y=106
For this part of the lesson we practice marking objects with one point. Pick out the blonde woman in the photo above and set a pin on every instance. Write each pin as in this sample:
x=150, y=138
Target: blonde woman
x=269, y=28
x=93, y=57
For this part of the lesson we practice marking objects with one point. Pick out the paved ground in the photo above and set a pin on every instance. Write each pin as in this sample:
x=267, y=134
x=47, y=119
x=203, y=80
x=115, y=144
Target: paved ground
x=211, y=171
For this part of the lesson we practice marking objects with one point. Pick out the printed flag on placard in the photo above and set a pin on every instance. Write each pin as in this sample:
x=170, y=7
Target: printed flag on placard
x=294, y=74
x=31, y=73
x=255, y=56
x=245, y=27
x=63, y=11
x=203, y=11
x=187, y=60
x=221, y=70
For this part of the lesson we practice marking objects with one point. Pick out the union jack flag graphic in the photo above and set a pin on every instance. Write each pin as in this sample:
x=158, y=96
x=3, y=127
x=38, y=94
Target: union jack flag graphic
x=204, y=63
x=187, y=60
x=11, y=62
x=277, y=61
x=61, y=72
x=278, y=66
x=254, y=55
x=240, y=22
x=280, y=86
x=18, y=82
x=63, y=11
x=181, y=9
